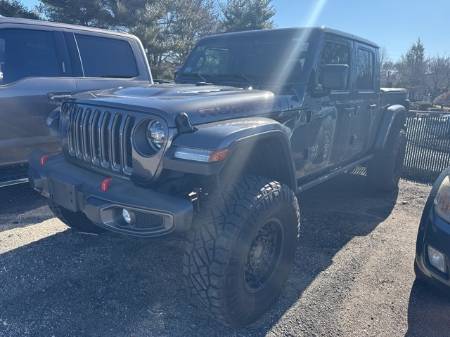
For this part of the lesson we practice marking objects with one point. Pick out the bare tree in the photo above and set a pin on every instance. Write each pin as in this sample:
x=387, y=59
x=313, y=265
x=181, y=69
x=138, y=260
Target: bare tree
x=439, y=74
x=389, y=73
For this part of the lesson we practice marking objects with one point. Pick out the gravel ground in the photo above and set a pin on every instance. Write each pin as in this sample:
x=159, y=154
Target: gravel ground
x=353, y=274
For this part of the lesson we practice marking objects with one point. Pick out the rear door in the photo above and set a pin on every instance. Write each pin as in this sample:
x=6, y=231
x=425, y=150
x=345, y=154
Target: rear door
x=103, y=61
x=366, y=95
x=35, y=74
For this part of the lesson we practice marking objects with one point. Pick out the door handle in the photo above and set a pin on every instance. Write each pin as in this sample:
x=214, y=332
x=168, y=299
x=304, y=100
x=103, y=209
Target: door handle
x=58, y=97
x=351, y=111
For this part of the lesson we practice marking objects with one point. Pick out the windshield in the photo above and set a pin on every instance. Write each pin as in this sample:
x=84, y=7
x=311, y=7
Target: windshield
x=249, y=61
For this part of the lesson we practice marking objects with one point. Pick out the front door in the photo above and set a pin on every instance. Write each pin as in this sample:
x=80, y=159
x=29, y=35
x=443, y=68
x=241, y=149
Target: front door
x=321, y=140
x=31, y=85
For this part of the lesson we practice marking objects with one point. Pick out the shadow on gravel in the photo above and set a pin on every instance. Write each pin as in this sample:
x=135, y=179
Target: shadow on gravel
x=73, y=285
x=19, y=199
x=428, y=312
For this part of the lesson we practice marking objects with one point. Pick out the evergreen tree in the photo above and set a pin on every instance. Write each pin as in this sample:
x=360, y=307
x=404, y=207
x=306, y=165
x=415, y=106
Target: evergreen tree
x=14, y=8
x=412, y=66
x=239, y=15
x=97, y=13
x=180, y=24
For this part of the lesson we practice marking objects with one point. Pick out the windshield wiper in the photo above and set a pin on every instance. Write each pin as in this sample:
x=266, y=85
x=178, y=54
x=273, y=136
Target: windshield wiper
x=234, y=78
x=241, y=77
x=197, y=75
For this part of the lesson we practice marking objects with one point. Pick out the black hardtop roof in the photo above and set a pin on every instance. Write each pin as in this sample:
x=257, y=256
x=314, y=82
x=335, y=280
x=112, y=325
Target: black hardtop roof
x=294, y=30
x=4, y=19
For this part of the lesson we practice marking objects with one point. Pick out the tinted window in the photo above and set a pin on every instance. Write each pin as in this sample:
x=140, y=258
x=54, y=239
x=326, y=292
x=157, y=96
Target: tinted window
x=365, y=74
x=252, y=60
x=104, y=57
x=214, y=61
x=335, y=53
x=27, y=53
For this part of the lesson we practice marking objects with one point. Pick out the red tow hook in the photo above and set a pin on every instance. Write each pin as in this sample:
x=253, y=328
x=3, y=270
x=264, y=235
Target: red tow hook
x=43, y=160
x=105, y=184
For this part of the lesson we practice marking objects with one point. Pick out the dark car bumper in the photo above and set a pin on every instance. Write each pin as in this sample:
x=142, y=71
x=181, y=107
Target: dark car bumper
x=433, y=232
x=78, y=190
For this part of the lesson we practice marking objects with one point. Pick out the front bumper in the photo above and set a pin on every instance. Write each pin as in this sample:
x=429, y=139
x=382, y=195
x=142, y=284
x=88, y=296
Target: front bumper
x=434, y=232
x=78, y=190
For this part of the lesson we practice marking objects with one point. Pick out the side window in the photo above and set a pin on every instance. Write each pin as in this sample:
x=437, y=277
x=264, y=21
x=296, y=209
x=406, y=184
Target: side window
x=365, y=75
x=106, y=57
x=335, y=53
x=27, y=53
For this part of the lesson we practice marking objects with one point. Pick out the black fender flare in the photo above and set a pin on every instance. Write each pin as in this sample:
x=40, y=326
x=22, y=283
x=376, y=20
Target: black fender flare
x=241, y=137
x=392, y=115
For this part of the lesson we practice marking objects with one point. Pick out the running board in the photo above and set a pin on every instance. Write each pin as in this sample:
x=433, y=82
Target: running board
x=333, y=174
x=13, y=182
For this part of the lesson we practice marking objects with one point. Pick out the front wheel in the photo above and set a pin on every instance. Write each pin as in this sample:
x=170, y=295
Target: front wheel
x=239, y=253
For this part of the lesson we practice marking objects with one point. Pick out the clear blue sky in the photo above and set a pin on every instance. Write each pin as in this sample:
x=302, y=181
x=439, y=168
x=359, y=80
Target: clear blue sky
x=393, y=24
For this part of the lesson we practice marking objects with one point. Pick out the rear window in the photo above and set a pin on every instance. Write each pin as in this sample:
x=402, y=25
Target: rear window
x=27, y=53
x=365, y=75
x=105, y=57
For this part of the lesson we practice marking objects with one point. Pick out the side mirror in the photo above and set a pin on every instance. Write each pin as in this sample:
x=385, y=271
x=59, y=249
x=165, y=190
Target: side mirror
x=334, y=76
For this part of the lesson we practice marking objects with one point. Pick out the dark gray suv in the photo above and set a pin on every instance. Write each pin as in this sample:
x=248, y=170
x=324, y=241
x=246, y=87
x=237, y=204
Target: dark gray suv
x=42, y=63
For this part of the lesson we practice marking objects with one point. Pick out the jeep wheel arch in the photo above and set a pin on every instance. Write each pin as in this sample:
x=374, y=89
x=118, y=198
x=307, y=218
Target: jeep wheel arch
x=393, y=115
x=257, y=146
x=266, y=155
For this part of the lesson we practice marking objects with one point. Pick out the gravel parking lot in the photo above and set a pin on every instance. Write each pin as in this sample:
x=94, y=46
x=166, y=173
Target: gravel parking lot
x=353, y=274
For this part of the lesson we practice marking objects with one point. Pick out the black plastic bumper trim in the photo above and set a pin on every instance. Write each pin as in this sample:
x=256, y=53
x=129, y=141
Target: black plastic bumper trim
x=78, y=190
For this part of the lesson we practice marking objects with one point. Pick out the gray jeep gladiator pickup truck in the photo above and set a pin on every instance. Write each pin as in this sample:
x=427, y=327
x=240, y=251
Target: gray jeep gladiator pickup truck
x=252, y=119
x=42, y=63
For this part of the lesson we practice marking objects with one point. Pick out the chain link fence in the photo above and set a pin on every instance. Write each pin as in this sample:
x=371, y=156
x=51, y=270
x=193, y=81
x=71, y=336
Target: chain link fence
x=428, y=147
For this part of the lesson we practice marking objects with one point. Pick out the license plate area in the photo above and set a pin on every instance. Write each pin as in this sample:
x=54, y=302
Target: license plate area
x=64, y=194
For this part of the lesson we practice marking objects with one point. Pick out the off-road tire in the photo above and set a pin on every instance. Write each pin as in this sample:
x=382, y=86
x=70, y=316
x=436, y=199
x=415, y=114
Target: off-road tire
x=385, y=169
x=75, y=220
x=221, y=245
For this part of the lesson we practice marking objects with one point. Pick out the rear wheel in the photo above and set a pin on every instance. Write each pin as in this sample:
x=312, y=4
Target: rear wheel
x=385, y=169
x=239, y=253
x=75, y=220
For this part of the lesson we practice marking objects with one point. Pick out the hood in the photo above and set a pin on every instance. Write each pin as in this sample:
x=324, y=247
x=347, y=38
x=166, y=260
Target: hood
x=203, y=104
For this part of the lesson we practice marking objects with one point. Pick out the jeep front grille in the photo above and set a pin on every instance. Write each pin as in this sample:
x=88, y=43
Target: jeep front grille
x=100, y=137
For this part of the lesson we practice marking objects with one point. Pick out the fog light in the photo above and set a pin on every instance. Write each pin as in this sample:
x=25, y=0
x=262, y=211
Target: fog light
x=437, y=259
x=127, y=216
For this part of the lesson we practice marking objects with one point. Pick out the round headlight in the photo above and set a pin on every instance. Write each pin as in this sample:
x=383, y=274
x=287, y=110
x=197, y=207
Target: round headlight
x=156, y=135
